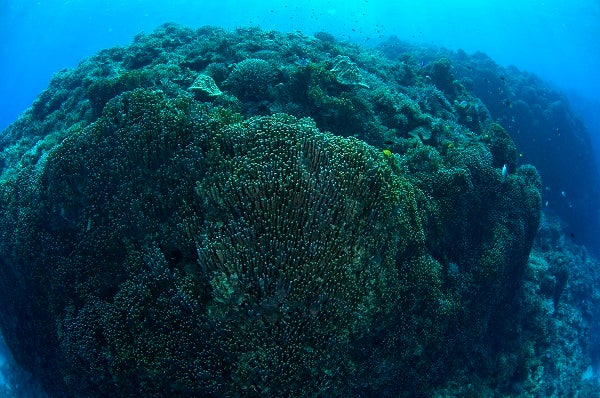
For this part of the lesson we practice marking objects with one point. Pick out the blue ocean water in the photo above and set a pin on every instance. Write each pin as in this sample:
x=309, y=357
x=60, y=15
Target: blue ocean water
x=554, y=39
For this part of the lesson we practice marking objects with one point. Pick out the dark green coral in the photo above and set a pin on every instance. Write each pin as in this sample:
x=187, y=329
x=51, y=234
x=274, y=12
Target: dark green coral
x=275, y=249
x=169, y=245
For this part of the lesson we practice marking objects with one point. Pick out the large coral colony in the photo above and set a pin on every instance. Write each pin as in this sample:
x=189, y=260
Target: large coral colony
x=252, y=213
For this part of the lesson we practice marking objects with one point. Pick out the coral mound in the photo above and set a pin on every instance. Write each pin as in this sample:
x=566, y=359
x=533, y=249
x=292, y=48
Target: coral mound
x=206, y=213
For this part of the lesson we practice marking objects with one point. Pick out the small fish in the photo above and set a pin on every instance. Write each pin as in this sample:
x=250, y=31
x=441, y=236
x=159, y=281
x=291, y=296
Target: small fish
x=504, y=172
x=423, y=63
x=462, y=104
x=302, y=62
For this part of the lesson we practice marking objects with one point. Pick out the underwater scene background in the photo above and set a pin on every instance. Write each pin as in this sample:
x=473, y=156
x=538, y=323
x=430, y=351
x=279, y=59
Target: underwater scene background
x=365, y=199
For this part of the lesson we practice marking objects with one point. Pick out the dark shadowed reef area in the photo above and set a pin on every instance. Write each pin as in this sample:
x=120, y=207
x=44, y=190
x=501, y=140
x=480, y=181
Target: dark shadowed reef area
x=540, y=120
x=256, y=213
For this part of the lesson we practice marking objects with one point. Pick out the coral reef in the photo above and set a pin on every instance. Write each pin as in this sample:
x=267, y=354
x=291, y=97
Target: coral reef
x=537, y=117
x=251, y=213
